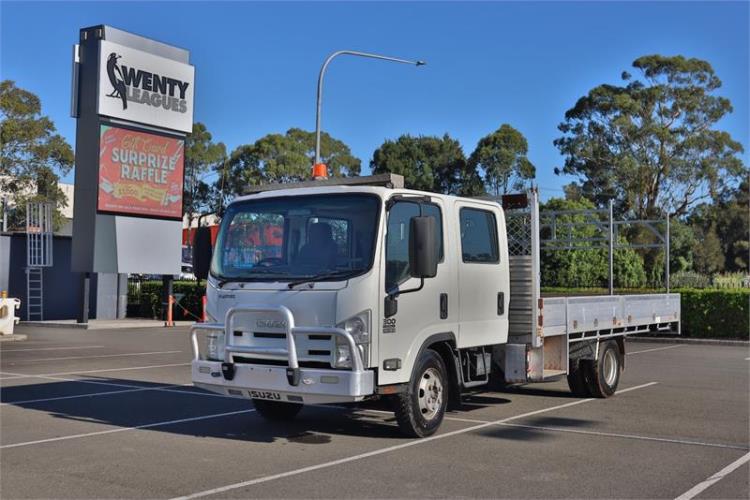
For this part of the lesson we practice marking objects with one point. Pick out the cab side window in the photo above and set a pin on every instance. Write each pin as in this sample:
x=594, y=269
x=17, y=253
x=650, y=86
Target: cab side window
x=397, y=239
x=397, y=243
x=434, y=211
x=479, y=236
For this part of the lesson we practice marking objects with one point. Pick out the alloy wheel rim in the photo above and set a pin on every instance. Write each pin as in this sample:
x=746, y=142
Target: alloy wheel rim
x=430, y=394
x=610, y=367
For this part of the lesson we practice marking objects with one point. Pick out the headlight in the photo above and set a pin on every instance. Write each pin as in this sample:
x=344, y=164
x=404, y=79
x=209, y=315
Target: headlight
x=342, y=354
x=343, y=358
x=359, y=328
x=215, y=346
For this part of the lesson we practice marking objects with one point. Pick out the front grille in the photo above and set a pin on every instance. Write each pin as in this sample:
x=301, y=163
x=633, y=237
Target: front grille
x=267, y=335
x=313, y=350
x=318, y=352
x=277, y=362
x=319, y=337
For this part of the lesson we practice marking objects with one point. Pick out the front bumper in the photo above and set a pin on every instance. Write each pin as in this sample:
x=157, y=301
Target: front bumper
x=283, y=383
x=270, y=382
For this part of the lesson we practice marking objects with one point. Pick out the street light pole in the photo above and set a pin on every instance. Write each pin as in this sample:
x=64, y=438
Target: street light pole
x=319, y=169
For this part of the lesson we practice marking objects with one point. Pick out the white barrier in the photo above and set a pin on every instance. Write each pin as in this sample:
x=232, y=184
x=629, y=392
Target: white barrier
x=8, y=317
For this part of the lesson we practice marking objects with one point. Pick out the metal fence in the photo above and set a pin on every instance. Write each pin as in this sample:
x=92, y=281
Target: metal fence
x=559, y=228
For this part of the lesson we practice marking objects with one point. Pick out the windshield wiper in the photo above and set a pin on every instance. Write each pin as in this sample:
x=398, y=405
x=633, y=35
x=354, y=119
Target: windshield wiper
x=264, y=271
x=321, y=277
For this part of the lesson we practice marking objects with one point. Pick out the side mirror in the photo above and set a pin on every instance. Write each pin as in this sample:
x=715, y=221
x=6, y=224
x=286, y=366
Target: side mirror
x=423, y=253
x=202, y=251
x=391, y=306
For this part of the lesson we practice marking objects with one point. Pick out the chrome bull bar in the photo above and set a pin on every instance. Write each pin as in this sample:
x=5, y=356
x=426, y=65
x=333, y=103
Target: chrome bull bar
x=293, y=373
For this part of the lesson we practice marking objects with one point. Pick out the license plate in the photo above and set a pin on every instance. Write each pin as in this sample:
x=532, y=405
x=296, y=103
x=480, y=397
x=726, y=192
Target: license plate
x=264, y=395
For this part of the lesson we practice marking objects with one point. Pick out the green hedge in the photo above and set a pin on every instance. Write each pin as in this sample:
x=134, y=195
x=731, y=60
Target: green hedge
x=716, y=313
x=147, y=303
x=706, y=313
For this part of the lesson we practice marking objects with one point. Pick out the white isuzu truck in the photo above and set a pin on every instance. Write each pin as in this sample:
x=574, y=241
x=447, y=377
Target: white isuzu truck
x=344, y=290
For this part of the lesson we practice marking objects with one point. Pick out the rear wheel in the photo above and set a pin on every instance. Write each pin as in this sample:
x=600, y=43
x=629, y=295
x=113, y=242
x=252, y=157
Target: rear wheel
x=274, y=410
x=603, y=375
x=420, y=410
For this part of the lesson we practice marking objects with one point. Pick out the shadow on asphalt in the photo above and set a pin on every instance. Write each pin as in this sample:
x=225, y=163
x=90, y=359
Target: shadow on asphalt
x=475, y=402
x=141, y=403
x=133, y=408
x=528, y=434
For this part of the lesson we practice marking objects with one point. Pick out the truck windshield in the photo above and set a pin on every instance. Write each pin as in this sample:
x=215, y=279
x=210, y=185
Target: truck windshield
x=290, y=238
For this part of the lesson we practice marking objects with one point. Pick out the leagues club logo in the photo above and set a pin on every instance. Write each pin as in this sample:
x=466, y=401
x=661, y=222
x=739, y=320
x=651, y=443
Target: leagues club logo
x=115, y=78
x=143, y=87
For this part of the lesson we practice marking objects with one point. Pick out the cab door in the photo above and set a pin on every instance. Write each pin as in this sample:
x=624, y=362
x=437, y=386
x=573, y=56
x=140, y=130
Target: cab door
x=431, y=310
x=483, y=281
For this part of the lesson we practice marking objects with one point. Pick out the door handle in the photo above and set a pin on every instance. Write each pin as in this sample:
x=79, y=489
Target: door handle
x=500, y=303
x=443, y=306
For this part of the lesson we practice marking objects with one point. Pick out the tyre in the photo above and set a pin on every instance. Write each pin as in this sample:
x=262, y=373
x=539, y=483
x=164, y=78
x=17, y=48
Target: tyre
x=274, y=410
x=577, y=380
x=421, y=408
x=603, y=375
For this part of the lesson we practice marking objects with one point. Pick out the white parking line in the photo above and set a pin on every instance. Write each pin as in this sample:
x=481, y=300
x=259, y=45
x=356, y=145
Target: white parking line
x=469, y=420
x=92, y=371
x=53, y=348
x=635, y=388
x=88, y=395
x=389, y=449
x=655, y=349
x=101, y=356
x=704, y=485
x=123, y=429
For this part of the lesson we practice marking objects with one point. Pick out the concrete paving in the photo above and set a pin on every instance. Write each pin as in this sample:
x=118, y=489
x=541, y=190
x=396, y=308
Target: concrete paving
x=111, y=414
x=101, y=324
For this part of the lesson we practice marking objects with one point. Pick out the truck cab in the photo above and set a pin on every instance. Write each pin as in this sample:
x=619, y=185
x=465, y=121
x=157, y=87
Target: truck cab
x=341, y=291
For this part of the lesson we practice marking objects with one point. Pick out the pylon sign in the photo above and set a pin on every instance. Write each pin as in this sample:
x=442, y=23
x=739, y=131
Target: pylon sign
x=133, y=98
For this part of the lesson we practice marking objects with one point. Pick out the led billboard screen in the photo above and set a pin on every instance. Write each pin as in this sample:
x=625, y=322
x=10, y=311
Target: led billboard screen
x=140, y=173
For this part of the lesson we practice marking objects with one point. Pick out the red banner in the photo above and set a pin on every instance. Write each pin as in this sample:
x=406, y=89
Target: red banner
x=140, y=173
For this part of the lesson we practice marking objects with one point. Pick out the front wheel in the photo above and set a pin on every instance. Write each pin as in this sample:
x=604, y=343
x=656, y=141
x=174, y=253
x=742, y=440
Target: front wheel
x=420, y=410
x=603, y=375
x=274, y=410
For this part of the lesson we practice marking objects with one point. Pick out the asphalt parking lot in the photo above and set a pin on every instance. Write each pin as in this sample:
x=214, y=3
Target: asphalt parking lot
x=111, y=414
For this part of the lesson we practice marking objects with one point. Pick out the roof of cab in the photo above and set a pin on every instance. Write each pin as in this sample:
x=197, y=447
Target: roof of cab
x=383, y=185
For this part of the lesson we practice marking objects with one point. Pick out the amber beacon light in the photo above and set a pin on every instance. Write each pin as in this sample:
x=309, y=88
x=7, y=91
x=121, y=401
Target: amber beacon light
x=320, y=171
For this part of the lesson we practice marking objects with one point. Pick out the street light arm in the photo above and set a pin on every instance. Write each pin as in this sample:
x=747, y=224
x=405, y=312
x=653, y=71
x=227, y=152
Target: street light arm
x=320, y=84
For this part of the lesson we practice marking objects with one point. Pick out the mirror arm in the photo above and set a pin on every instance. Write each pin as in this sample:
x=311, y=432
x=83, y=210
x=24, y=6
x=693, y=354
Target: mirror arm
x=401, y=292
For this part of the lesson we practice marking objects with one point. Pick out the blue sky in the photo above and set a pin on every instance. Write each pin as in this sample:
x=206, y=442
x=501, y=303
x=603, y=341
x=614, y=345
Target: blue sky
x=488, y=63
